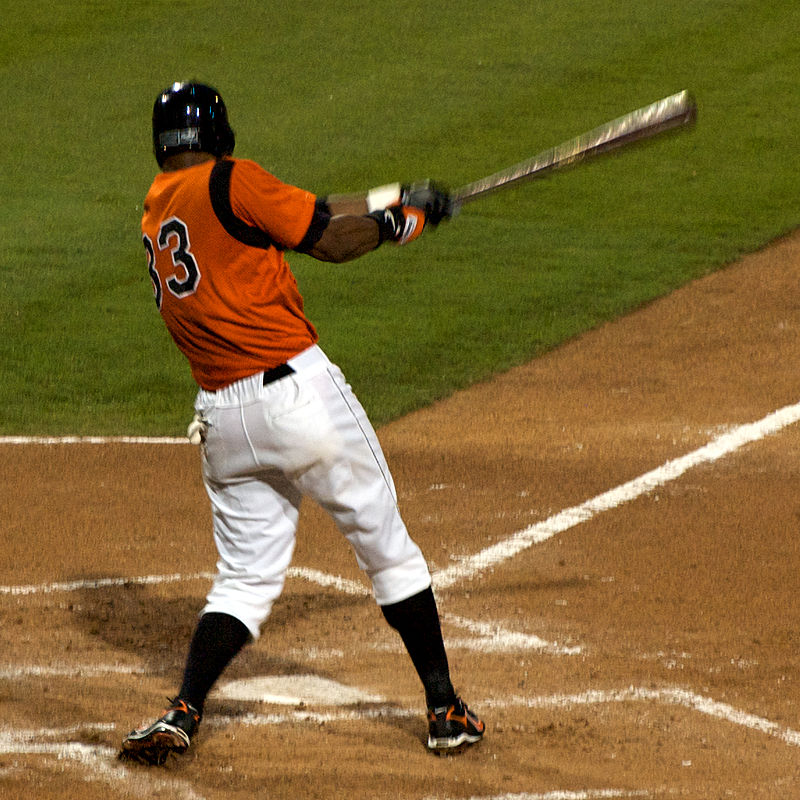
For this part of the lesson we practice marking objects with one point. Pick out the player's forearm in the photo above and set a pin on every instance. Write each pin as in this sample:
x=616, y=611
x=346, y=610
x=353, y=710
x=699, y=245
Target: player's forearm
x=365, y=202
x=351, y=232
x=346, y=237
x=351, y=204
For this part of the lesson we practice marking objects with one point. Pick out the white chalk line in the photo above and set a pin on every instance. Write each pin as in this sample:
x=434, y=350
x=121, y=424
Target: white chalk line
x=487, y=636
x=25, y=671
x=491, y=637
x=597, y=794
x=312, y=575
x=96, y=757
x=101, y=583
x=14, y=440
x=470, y=566
x=665, y=696
x=100, y=760
x=723, y=445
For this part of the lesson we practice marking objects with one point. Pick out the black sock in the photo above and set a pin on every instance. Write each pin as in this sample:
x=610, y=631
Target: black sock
x=417, y=621
x=216, y=640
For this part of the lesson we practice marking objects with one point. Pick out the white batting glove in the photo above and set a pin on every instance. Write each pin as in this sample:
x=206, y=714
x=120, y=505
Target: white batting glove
x=196, y=432
x=383, y=196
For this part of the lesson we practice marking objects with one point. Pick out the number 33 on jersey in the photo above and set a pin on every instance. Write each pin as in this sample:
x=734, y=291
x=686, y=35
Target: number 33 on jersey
x=219, y=270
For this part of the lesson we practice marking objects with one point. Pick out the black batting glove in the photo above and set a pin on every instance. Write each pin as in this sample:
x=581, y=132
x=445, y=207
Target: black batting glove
x=432, y=199
x=399, y=224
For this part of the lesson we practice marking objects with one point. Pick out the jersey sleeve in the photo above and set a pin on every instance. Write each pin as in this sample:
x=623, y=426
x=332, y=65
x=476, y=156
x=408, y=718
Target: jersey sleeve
x=258, y=198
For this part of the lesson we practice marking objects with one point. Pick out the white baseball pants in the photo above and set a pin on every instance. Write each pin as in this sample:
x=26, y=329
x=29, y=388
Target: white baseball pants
x=266, y=447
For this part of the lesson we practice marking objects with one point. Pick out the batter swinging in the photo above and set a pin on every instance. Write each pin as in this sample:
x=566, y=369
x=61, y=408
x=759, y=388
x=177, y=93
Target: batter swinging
x=276, y=418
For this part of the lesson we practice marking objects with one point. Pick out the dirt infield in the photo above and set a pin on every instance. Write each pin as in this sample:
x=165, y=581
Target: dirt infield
x=618, y=597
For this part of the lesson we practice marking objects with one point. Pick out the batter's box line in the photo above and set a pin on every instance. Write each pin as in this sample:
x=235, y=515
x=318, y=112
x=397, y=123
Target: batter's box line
x=22, y=742
x=490, y=636
x=487, y=636
x=51, y=440
x=99, y=761
x=324, y=579
x=470, y=566
x=590, y=794
x=719, y=447
x=664, y=696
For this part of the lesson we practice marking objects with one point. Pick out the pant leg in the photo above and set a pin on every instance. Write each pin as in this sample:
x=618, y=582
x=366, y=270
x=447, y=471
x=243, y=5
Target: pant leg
x=255, y=508
x=254, y=532
x=353, y=483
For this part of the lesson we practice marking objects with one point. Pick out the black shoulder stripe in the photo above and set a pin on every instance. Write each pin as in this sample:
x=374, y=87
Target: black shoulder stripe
x=219, y=187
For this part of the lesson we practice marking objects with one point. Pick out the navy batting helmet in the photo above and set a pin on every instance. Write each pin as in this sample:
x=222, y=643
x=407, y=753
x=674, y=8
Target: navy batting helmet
x=190, y=116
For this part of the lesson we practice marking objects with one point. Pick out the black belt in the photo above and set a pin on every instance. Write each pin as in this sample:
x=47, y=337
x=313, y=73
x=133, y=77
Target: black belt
x=276, y=373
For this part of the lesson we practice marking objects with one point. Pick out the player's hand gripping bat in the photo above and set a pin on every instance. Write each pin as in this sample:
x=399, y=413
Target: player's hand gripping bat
x=672, y=112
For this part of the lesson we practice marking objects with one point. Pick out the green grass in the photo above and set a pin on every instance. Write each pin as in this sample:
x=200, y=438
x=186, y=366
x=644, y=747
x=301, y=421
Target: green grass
x=343, y=96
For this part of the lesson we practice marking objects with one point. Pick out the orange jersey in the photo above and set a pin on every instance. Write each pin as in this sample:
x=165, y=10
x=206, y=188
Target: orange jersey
x=215, y=236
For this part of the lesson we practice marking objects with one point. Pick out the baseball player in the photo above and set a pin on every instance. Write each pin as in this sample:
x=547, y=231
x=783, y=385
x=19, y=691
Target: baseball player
x=275, y=417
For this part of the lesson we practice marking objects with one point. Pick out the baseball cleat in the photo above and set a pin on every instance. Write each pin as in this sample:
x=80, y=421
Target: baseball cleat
x=170, y=733
x=452, y=728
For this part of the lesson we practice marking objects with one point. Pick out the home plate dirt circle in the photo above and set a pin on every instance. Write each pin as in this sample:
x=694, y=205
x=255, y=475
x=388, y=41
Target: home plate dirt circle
x=293, y=690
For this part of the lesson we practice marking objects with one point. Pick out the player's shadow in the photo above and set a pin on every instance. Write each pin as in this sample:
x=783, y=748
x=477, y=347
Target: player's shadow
x=155, y=627
x=151, y=628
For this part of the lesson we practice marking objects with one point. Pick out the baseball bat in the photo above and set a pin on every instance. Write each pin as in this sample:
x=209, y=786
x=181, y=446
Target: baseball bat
x=676, y=111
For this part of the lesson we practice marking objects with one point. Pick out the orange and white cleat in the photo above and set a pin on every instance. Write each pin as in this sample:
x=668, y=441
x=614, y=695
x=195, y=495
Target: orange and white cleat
x=171, y=733
x=452, y=728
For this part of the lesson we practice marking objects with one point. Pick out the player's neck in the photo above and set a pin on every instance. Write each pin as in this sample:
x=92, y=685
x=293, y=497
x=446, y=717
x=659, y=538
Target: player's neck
x=188, y=158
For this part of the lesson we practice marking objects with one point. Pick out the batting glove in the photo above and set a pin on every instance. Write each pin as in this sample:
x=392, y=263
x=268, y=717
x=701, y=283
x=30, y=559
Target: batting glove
x=433, y=199
x=399, y=224
x=197, y=430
